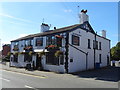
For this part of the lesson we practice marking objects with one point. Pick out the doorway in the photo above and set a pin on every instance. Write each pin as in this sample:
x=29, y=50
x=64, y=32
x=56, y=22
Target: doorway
x=38, y=62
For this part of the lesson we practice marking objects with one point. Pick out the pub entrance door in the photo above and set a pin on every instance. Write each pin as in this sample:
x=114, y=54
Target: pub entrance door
x=38, y=62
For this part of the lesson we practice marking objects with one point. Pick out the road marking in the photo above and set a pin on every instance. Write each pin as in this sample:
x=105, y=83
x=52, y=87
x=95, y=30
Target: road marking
x=25, y=74
x=5, y=79
x=28, y=86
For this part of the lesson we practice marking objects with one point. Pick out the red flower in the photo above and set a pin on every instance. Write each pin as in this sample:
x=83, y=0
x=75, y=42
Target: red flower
x=58, y=36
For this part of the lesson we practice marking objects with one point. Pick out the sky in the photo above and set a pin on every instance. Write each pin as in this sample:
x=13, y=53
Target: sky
x=18, y=19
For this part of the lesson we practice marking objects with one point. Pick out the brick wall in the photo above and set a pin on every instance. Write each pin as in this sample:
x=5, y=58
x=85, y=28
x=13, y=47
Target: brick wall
x=6, y=49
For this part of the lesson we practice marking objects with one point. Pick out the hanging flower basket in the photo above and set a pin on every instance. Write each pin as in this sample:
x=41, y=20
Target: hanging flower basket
x=9, y=53
x=40, y=54
x=58, y=36
x=15, y=49
x=31, y=53
x=16, y=53
x=23, y=52
x=28, y=48
x=58, y=53
x=52, y=48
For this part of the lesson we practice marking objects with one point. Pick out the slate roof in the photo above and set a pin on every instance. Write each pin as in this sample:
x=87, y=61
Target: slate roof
x=59, y=30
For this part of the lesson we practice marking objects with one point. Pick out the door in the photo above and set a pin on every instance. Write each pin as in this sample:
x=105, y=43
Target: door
x=38, y=62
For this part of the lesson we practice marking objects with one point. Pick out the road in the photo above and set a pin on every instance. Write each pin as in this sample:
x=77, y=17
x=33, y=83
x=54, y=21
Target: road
x=18, y=80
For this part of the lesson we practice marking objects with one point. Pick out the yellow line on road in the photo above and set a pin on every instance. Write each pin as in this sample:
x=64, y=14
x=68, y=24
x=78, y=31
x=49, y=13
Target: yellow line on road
x=24, y=74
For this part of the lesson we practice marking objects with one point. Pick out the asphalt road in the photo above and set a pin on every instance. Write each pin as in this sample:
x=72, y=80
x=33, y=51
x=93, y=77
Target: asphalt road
x=18, y=80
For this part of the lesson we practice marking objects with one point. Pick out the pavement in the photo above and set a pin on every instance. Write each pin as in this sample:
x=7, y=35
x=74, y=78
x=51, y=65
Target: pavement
x=107, y=73
x=5, y=66
x=107, y=77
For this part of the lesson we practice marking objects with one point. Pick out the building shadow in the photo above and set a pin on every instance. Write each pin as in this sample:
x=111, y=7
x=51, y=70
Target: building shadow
x=107, y=74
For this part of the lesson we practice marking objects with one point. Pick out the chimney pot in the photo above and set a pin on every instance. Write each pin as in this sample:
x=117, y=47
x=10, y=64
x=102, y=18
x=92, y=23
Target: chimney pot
x=104, y=33
x=83, y=16
x=54, y=27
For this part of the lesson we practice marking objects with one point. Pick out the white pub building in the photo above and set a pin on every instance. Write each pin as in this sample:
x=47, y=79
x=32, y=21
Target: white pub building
x=69, y=49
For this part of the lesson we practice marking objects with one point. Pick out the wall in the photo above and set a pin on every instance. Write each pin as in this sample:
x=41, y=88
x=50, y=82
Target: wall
x=55, y=68
x=79, y=58
x=105, y=51
x=6, y=49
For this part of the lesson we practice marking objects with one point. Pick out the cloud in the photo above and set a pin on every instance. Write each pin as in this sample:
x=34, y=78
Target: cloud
x=67, y=10
x=16, y=18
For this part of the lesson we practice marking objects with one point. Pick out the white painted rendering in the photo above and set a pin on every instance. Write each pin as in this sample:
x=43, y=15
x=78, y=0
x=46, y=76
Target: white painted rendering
x=104, y=33
x=79, y=58
x=44, y=28
x=83, y=17
x=54, y=68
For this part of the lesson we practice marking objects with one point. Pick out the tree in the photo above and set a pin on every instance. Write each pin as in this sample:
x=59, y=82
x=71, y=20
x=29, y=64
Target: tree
x=115, y=52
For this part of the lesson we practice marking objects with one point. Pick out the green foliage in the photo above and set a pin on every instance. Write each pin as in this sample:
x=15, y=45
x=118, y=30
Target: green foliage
x=58, y=53
x=115, y=52
x=40, y=54
x=6, y=58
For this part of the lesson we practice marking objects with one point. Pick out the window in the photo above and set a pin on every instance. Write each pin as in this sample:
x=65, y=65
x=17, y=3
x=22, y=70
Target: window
x=100, y=58
x=27, y=57
x=99, y=45
x=95, y=44
x=28, y=42
x=62, y=59
x=16, y=47
x=59, y=42
x=75, y=40
x=89, y=44
x=52, y=40
x=39, y=42
x=51, y=59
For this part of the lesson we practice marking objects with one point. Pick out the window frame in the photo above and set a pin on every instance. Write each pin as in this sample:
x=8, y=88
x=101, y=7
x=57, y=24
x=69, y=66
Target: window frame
x=100, y=58
x=37, y=39
x=95, y=44
x=99, y=45
x=89, y=46
x=74, y=42
x=27, y=57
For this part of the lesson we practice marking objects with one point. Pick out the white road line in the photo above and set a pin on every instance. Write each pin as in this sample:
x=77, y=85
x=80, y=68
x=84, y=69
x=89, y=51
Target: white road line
x=25, y=74
x=5, y=79
x=28, y=86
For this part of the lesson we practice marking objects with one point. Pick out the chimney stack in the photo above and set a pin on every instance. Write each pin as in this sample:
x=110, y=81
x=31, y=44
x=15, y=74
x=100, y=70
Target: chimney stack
x=54, y=28
x=44, y=27
x=104, y=33
x=83, y=16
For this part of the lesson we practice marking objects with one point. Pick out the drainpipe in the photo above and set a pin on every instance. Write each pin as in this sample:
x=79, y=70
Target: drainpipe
x=86, y=60
x=66, y=53
x=95, y=50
